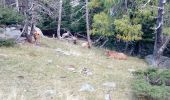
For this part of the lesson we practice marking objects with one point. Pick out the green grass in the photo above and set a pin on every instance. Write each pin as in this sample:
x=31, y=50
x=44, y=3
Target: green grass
x=31, y=62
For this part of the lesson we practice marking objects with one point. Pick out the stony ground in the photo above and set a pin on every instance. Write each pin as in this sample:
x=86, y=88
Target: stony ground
x=57, y=70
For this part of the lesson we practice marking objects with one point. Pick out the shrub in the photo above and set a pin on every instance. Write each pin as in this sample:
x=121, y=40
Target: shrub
x=7, y=42
x=9, y=16
x=153, y=84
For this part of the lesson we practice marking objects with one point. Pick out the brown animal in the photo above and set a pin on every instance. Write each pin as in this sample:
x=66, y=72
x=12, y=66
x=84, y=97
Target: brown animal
x=36, y=36
x=85, y=45
x=116, y=55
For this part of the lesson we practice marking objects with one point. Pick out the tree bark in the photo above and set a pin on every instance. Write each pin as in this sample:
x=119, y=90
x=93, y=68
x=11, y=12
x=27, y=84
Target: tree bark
x=4, y=3
x=87, y=25
x=25, y=10
x=59, y=20
x=17, y=5
x=158, y=35
x=126, y=6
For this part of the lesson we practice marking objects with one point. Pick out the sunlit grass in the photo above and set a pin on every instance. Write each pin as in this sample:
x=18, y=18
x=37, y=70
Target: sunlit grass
x=40, y=76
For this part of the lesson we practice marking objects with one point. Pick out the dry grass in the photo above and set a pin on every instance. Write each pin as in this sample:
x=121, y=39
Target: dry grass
x=28, y=72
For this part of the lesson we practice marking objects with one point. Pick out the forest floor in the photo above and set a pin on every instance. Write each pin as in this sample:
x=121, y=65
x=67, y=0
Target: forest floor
x=58, y=70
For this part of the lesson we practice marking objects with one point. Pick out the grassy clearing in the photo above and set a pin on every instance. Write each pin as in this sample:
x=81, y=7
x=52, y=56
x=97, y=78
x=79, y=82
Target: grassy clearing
x=27, y=73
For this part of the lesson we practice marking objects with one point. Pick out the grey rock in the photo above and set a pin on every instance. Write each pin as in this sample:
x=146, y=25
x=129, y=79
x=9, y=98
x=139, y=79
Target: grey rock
x=14, y=32
x=59, y=50
x=131, y=70
x=49, y=61
x=67, y=53
x=111, y=85
x=86, y=71
x=70, y=68
x=87, y=88
x=164, y=61
x=107, y=97
x=3, y=56
x=20, y=77
x=48, y=94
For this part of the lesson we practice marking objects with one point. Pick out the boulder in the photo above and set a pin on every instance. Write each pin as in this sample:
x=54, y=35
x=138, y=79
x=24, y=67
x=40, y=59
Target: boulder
x=10, y=33
x=110, y=85
x=87, y=88
x=164, y=61
x=37, y=30
x=3, y=56
x=14, y=32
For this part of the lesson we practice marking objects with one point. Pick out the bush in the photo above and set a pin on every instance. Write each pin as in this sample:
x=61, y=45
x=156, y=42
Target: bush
x=153, y=84
x=8, y=16
x=7, y=43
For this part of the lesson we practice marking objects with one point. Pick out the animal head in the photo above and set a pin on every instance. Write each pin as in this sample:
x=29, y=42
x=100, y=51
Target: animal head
x=36, y=36
x=37, y=33
x=85, y=45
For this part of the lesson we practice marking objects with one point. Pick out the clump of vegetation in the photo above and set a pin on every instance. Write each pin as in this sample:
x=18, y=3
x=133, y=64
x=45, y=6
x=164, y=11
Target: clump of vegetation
x=9, y=16
x=7, y=43
x=152, y=84
x=126, y=30
x=103, y=25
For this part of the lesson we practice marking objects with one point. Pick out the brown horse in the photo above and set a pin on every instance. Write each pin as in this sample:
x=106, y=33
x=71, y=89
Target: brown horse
x=116, y=55
x=85, y=45
x=36, y=36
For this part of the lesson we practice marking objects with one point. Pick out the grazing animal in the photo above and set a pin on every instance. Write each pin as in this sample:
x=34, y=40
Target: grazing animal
x=74, y=40
x=85, y=45
x=66, y=35
x=116, y=55
x=36, y=36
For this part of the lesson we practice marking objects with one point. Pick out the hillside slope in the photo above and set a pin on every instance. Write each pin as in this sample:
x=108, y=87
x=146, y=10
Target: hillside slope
x=57, y=70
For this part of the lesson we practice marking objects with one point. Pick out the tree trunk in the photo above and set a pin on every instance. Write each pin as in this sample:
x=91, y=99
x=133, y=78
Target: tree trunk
x=17, y=5
x=126, y=6
x=87, y=25
x=59, y=20
x=126, y=47
x=33, y=13
x=4, y=3
x=158, y=35
x=24, y=10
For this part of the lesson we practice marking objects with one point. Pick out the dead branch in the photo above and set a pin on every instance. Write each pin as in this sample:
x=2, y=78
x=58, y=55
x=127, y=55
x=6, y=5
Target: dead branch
x=104, y=42
x=146, y=3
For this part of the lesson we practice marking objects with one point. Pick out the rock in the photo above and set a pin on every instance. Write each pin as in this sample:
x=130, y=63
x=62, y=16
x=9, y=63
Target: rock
x=62, y=51
x=50, y=61
x=167, y=82
x=131, y=70
x=58, y=50
x=20, y=77
x=86, y=71
x=107, y=97
x=14, y=32
x=3, y=56
x=75, y=53
x=110, y=85
x=87, y=88
x=109, y=67
x=71, y=68
x=67, y=53
x=49, y=94
x=21, y=40
x=164, y=61
x=63, y=77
